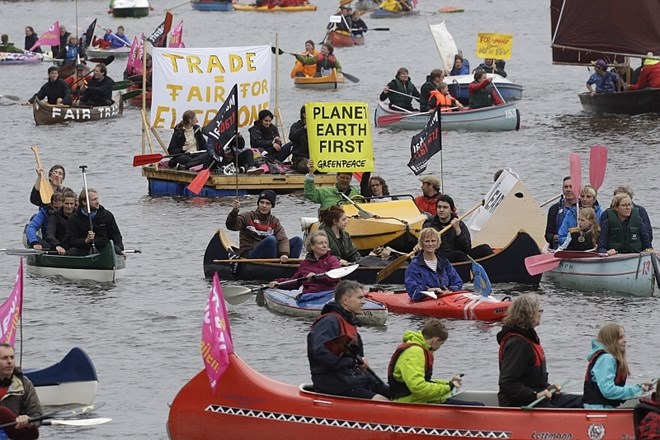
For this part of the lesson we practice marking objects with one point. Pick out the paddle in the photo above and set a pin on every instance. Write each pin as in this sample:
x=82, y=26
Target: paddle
x=403, y=94
x=121, y=85
x=536, y=264
x=394, y=265
x=256, y=260
x=351, y=78
x=77, y=422
x=89, y=208
x=597, y=165
x=63, y=413
x=341, y=344
x=480, y=279
x=10, y=97
x=552, y=389
x=45, y=188
x=235, y=295
x=25, y=252
x=145, y=159
x=394, y=118
x=575, y=167
x=131, y=94
x=361, y=212
x=371, y=29
x=200, y=180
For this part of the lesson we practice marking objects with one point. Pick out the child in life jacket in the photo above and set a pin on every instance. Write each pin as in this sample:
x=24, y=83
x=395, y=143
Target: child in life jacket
x=585, y=236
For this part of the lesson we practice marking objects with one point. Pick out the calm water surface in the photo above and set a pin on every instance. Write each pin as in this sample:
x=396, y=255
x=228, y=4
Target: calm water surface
x=143, y=334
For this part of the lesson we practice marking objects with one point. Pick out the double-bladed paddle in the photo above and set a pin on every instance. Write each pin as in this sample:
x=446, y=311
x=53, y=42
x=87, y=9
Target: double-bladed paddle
x=45, y=188
x=394, y=265
x=255, y=260
x=238, y=294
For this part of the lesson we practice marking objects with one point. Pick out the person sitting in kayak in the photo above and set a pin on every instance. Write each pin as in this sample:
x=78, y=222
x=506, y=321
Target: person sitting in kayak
x=483, y=92
x=622, y=229
x=441, y=98
x=584, y=237
x=358, y=27
x=430, y=274
x=317, y=261
x=305, y=70
x=523, y=372
x=324, y=61
x=605, y=81
x=72, y=52
x=456, y=242
x=335, y=350
x=400, y=91
x=333, y=223
x=605, y=380
x=6, y=46
x=411, y=367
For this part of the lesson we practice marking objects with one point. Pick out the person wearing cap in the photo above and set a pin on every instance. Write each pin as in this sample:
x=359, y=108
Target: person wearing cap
x=430, y=195
x=261, y=234
x=605, y=81
x=649, y=75
x=328, y=195
x=456, y=242
x=55, y=90
x=77, y=81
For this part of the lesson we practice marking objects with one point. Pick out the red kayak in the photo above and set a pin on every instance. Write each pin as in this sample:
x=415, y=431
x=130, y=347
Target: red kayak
x=454, y=305
x=248, y=405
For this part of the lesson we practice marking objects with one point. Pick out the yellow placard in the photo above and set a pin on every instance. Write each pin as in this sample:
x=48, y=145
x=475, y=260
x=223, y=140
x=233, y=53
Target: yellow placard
x=498, y=46
x=339, y=136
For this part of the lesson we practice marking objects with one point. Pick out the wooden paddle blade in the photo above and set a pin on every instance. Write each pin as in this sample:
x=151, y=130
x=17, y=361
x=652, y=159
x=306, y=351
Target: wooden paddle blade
x=537, y=264
x=198, y=182
x=597, y=165
x=146, y=159
x=45, y=189
x=388, y=270
x=351, y=78
x=575, y=167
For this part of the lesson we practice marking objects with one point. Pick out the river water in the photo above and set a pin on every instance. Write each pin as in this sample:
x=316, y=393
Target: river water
x=143, y=333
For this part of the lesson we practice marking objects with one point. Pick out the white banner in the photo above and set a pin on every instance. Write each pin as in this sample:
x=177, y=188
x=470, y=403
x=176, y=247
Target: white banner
x=200, y=79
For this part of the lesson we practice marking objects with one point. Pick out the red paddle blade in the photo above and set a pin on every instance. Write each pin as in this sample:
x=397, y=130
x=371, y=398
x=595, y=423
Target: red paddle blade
x=575, y=166
x=146, y=159
x=389, y=119
x=198, y=182
x=597, y=165
x=537, y=264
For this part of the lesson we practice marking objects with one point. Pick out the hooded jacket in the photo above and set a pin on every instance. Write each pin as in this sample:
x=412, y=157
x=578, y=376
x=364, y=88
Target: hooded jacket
x=105, y=229
x=254, y=227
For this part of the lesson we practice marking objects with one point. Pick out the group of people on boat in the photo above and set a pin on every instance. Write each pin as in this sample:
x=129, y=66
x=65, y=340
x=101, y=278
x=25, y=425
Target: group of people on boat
x=624, y=227
x=604, y=80
x=313, y=63
x=69, y=223
x=350, y=22
x=77, y=89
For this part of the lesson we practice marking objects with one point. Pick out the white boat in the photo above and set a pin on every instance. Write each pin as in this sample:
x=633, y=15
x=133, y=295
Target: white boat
x=631, y=274
x=458, y=87
x=97, y=52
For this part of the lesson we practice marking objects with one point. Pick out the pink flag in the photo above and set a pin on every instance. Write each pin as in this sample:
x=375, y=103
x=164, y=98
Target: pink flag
x=133, y=60
x=11, y=310
x=177, y=36
x=216, y=336
x=51, y=37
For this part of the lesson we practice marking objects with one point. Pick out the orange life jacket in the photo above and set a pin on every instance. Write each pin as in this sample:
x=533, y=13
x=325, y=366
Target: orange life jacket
x=445, y=102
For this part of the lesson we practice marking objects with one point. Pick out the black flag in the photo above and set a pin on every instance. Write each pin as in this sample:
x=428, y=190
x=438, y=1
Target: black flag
x=425, y=144
x=86, y=38
x=159, y=37
x=225, y=124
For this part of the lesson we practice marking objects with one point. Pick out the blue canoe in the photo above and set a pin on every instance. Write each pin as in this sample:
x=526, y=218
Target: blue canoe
x=71, y=381
x=310, y=305
x=212, y=5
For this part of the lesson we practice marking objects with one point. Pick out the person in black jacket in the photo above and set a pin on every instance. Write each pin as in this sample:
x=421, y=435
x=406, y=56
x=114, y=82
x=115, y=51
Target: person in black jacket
x=187, y=143
x=265, y=136
x=56, y=90
x=299, y=144
x=58, y=220
x=99, y=89
x=30, y=39
x=79, y=238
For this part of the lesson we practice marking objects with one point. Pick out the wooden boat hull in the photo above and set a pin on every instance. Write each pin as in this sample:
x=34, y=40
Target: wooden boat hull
x=496, y=118
x=170, y=182
x=104, y=267
x=11, y=58
x=384, y=13
x=343, y=39
x=328, y=82
x=507, y=265
x=46, y=114
x=72, y=381
x=210, y=5
x=136, y=101
x=455, y=305
x=458, y=87
x=248, y=405
x=120, y=52
x=630, y=274
x=285, y=302
x=303, y=8
x=628, y=103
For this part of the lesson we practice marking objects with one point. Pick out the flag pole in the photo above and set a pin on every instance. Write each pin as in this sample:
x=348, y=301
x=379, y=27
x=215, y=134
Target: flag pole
x=442, y=171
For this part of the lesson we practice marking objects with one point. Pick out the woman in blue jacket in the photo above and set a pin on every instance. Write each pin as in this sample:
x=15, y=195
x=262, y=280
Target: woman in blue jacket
x=429, y=273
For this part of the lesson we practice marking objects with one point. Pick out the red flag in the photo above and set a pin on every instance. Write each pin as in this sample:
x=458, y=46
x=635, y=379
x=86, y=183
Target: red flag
x=216, y=336
x=11, y=310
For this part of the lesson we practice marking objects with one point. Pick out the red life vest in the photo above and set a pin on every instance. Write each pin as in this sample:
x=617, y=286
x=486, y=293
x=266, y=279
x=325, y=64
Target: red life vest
x=539, y=354
x=592, y=393
x=348, y=334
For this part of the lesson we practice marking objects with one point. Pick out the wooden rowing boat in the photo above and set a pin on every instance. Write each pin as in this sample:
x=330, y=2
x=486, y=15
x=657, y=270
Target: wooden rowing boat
x=171, y=182
x=212, y=5
x=505, y=265
x=331, y=81
x=633, y=102
x=310, y=305
x=458, y=87
x=344, y=39
x=301, y=8
x=104, y=267
x=454, y=305
x=495, y=118
x=71, y=381
x=47, y=114
x=248, y=405
x=630, y=274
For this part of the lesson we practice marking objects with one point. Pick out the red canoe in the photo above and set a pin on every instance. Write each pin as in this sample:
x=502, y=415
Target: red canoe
x=248, y=405
x=454, y=305
x=344, y=39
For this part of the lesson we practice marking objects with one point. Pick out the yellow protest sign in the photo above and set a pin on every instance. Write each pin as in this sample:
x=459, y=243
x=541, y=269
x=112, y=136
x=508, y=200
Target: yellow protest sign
x=498, y=46
x=339, y=136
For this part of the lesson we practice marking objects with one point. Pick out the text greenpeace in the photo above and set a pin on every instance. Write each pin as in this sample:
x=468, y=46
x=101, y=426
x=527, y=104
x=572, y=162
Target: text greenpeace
x=339, y=136
x=200, y=79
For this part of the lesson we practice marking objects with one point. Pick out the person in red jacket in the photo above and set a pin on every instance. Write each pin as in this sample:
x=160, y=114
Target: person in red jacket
x=649, y=77
x=483, y=92
x=430, y=195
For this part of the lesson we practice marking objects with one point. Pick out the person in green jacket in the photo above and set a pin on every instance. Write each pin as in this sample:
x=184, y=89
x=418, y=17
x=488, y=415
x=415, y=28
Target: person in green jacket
x=411, y=367
x=328, y=196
